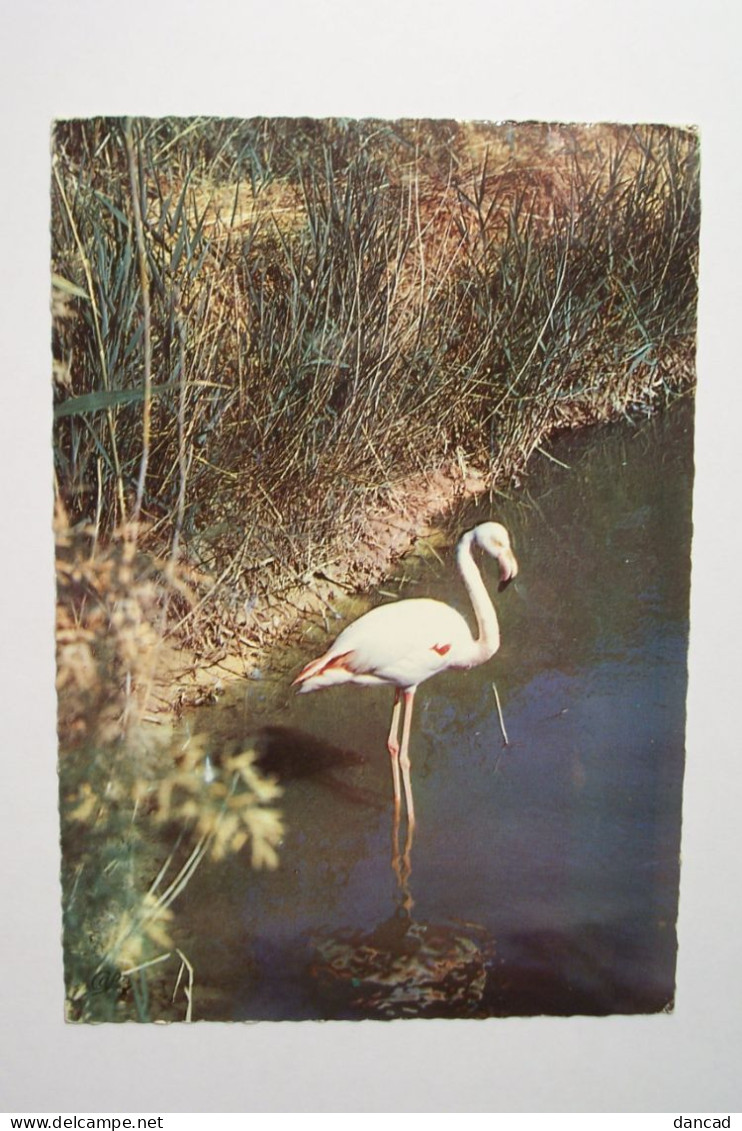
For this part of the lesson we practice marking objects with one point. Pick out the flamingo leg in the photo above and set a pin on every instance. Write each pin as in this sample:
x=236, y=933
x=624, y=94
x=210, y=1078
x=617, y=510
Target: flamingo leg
x=393, y=747
x=404, y=757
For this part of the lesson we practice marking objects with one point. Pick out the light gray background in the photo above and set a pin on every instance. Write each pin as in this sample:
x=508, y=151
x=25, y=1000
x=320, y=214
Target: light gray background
x=574, y=61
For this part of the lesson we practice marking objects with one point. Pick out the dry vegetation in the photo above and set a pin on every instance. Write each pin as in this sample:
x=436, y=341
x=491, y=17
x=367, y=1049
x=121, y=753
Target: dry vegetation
x=277, y=345
x=139, y=811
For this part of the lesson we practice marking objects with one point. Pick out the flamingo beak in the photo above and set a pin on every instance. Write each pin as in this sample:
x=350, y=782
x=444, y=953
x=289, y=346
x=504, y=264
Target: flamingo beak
x=508, y=570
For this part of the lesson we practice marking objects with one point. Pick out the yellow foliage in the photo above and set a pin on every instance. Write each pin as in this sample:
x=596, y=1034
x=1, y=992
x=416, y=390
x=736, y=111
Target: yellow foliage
x=88, y=804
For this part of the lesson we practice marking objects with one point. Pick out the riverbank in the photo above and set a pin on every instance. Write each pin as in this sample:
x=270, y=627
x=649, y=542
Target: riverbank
x=172, y=677
x=411, y=510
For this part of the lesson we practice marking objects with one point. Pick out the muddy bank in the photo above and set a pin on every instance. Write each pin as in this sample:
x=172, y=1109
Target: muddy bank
x=415, y=505
x=294, y=609
x=244, y=627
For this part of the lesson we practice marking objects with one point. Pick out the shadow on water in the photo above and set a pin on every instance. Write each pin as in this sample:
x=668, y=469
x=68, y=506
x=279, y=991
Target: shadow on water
x=544, y=875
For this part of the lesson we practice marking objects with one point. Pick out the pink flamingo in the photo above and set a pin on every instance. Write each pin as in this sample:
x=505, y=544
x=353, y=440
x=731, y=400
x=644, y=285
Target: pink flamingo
x=406, y=642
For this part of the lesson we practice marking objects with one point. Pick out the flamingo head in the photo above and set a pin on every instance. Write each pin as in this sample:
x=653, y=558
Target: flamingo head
x=495, y=540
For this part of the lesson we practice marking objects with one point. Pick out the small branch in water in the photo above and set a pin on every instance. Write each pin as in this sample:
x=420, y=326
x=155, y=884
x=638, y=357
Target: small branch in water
x=499, y=715
x=146, y=965
x=553, y=459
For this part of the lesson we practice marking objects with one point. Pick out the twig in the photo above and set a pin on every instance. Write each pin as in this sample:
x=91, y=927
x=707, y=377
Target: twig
x=145, y=965
x=499, y=715
x=552, y=458
x=189, y=988
x=182, y=460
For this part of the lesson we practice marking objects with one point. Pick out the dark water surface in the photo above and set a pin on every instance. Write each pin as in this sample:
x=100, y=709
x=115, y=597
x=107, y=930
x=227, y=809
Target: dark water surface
x=544, y=875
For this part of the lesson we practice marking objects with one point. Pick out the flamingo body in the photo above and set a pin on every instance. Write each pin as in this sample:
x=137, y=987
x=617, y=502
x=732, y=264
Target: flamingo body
x=406, y=642
x=401, y=644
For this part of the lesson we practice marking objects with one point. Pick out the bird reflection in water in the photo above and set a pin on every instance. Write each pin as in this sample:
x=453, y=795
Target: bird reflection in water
x=402, y=859
x=403, y=968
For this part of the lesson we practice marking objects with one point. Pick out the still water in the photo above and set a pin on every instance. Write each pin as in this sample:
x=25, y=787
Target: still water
x=543, y=877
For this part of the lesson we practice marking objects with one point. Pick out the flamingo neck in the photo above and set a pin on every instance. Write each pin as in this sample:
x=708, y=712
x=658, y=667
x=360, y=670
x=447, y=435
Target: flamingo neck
x=488, y=638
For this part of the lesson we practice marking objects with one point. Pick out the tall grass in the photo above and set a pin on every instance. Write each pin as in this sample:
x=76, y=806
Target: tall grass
x=333, y=305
